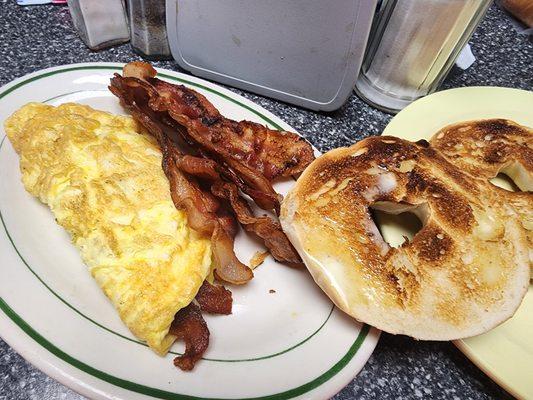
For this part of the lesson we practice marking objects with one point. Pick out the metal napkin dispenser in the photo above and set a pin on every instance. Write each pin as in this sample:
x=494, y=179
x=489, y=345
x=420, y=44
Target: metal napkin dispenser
x=304, y=52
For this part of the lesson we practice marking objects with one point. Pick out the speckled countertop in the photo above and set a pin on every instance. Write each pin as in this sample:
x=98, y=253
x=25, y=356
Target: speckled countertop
x=33, y=38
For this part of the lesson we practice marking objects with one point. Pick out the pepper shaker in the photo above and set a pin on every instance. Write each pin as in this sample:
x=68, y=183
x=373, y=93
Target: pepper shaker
x=148, y=29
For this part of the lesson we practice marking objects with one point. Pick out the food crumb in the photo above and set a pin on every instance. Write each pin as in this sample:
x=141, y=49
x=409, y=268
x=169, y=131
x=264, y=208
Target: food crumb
x=271, y=291
x=258, y=258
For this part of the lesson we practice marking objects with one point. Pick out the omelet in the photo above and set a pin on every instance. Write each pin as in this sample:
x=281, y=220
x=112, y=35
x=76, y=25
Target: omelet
x=101, y=176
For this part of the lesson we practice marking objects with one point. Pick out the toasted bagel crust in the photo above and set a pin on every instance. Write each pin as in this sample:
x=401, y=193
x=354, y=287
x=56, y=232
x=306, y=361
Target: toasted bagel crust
x=485, y=148
x=463, y=273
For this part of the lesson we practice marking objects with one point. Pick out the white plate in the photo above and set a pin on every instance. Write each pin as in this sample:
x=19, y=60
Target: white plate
x=289, y=344
x=506, y=352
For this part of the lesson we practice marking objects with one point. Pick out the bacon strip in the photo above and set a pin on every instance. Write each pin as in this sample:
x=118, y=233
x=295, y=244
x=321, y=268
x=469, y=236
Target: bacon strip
x=214, y=299
x=256, y=153
x=190, y=326
x=249, y=181
x=238, y=152
x=271, y=152
x=228, y=156
x=186, y=194
x=266, y=228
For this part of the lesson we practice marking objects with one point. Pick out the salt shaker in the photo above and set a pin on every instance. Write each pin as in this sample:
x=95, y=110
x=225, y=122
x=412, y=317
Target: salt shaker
x=414, y=44
x=100, y=23
x=148, y=29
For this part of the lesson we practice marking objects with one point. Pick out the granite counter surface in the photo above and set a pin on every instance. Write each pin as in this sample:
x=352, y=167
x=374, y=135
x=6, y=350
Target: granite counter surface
x=32, y=38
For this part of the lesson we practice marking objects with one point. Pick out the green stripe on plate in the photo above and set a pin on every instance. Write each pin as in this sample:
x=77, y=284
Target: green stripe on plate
x=132, y=386
x=163, y=394
x=162, y=74
x=230, y=360
x=266, y=119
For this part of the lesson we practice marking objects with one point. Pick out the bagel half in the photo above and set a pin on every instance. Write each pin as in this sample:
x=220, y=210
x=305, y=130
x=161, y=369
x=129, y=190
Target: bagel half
x=485, y=148
x=464, y=272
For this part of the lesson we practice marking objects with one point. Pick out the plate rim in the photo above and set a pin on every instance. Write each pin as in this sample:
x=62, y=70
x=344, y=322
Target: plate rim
x=364, y=343
x=475, y=358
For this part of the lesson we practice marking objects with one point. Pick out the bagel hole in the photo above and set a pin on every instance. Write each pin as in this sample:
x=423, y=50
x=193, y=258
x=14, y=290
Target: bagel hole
x=396, y=222
x=513, y=178
x=504, y=181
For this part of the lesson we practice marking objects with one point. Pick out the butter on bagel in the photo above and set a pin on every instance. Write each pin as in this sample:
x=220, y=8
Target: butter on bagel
x=485, y=148
x=463, y=273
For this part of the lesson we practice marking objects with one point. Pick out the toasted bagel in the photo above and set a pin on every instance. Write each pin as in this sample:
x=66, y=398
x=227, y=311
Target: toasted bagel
x=485, y=148
x=463, y=273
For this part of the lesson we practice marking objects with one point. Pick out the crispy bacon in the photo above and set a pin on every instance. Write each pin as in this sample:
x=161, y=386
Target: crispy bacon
x=190, y=326
x=139, y=69
x=186, y=194
x=205, y=168
x=228, y=157
x=257, y=153
x=199, y=167
x=253, y=184
x=201, y=208
x=264, y=227
x=271, y=152
x=143, y=93
x=214, y=299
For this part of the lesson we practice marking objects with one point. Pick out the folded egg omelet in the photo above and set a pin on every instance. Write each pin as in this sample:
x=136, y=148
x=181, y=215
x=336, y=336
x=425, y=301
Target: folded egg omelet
x=101, y=176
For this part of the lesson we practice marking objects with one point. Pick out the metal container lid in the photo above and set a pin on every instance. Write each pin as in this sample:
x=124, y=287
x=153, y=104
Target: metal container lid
x=305, y=52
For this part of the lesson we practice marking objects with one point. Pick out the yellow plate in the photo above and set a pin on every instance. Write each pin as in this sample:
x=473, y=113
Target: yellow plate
x=506, y=352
